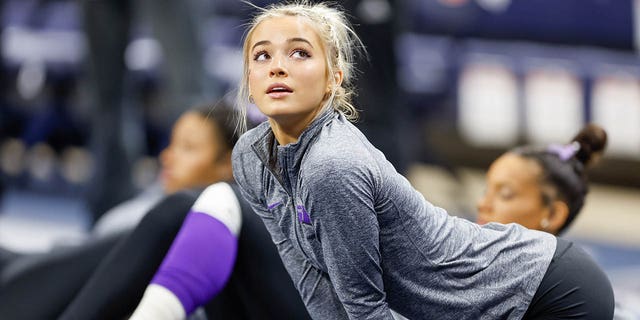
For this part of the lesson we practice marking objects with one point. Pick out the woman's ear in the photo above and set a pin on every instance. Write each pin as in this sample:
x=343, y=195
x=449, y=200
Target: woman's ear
x=223, y=167
x=338, y=76
x=558, y=214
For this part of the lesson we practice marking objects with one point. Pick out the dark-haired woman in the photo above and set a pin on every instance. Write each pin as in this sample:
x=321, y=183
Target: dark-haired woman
x=544, y=188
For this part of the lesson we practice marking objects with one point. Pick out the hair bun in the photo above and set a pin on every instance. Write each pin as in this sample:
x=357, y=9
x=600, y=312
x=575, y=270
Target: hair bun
x=593, y=140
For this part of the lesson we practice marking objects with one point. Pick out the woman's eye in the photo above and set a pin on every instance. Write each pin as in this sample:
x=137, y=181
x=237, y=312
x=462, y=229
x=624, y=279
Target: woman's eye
x=260, y=56
x=300, y=54
x=506, y=194
x=186, y=146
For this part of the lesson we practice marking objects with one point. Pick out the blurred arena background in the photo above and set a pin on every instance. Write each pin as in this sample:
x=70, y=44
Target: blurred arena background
x=474, y=78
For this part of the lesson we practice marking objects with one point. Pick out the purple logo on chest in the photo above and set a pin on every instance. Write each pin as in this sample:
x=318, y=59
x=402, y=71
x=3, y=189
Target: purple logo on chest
x=273, y=205
x=303, y=215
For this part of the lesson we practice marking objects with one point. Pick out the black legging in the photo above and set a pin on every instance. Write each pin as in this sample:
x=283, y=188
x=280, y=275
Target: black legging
x=41, y=286
x=573, y=287
x=259, y=287
x=117, y=285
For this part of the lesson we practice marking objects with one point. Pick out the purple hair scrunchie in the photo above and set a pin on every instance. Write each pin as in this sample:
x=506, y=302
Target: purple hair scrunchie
x=564, y=151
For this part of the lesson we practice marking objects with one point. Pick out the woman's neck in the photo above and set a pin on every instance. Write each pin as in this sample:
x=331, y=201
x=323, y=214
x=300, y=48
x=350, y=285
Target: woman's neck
x=285, y=135
x=287, y=131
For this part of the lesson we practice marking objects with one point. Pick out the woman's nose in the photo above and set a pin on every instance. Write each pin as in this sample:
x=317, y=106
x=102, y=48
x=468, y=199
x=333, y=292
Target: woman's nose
x=482, y=205
x=278, y=68
x=278, y=72
x=164, y=157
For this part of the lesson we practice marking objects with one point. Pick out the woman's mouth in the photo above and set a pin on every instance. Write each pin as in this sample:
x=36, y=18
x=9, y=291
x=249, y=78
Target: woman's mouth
x=278, y=90
x=165, y=175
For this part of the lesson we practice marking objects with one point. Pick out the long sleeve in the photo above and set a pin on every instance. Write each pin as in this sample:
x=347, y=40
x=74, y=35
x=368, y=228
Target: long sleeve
x=345, y=223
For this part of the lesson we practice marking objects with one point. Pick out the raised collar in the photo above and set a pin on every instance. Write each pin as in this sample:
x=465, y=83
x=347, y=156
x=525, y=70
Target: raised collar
x=266, y=145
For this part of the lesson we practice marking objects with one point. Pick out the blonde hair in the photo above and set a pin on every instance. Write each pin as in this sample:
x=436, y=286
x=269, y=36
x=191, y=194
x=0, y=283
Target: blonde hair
x=341, y=44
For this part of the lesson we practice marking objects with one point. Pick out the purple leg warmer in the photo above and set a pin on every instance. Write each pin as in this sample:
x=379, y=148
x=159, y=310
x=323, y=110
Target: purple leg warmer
x=199, y=261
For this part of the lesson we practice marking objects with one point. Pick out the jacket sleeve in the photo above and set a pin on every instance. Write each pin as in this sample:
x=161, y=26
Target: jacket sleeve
x=341, y=202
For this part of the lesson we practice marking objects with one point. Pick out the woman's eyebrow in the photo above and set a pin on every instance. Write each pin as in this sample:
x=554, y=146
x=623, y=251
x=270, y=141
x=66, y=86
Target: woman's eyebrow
x=266, y=42
x=260, y=43
x=300, y=40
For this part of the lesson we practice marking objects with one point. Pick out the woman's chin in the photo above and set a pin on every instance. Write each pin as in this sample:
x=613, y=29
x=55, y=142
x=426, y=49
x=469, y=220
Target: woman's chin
x=168, y=186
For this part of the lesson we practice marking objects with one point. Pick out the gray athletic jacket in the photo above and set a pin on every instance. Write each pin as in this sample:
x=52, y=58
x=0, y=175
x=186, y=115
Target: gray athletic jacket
x=358, y=239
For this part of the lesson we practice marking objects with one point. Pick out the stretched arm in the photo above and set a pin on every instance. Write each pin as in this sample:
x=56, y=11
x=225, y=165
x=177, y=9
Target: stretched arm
x=346, y=224
x=200, y=259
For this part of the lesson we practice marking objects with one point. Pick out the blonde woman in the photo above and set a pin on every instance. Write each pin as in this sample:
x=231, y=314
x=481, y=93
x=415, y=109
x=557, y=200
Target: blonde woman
x=356, y=238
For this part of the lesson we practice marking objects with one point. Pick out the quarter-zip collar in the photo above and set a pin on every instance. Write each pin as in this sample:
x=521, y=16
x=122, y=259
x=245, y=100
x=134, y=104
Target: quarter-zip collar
x=268, y=151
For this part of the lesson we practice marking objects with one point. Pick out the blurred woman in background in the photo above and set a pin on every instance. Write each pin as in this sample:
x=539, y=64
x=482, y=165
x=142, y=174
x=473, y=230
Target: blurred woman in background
x=40, y=286
x=542, y=188
x=195, y=157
